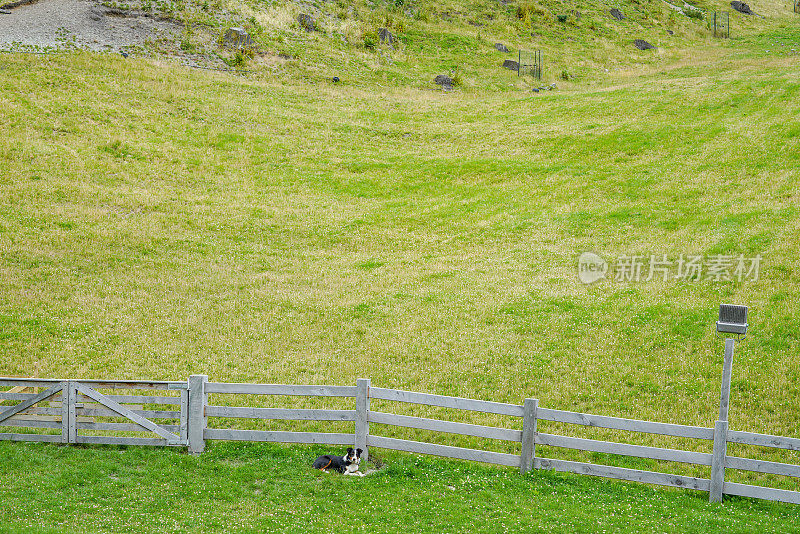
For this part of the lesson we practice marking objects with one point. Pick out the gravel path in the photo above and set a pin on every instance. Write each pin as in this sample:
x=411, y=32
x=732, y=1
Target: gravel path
x=80, y=23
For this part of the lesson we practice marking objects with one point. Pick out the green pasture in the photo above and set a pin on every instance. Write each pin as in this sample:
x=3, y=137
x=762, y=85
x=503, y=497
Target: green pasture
x=157, y=222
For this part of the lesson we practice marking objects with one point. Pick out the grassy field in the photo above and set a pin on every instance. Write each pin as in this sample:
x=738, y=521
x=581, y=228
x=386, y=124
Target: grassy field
x=157, y=221
x=260, y=488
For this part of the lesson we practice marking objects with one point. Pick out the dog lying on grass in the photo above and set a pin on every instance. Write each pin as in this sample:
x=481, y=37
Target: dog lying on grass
x=346, y=465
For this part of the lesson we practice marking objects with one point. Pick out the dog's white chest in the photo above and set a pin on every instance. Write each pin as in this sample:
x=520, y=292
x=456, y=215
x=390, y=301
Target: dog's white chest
x=352, y=469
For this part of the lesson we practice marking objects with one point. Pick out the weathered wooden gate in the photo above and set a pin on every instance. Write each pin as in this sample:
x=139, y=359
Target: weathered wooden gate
x=85, y=414
x=27, y=414
x=137, y=419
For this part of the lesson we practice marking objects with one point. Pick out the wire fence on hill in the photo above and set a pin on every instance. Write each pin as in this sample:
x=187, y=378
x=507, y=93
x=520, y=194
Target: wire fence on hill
x=721, y=24
x=530, y=63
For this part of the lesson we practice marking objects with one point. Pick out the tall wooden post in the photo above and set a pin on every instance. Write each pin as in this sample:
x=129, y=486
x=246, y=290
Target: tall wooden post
x=721, y=428
x=718, y=461
x=725, y=393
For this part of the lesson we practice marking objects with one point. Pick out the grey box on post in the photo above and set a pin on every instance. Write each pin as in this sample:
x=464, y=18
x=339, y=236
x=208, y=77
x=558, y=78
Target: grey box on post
x=732, y=319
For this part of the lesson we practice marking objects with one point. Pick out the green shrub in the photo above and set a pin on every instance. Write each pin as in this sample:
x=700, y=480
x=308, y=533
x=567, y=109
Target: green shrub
x=693, y=13
x=528, y=11
x=253, y=27
x=238, y=60
x=523, y=12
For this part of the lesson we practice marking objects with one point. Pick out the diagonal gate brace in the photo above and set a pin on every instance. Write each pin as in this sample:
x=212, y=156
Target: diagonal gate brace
x=171, y=438
x=13, y=410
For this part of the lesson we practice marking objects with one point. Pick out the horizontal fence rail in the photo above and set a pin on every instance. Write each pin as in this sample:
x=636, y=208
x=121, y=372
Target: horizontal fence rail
x=621, y=473
x=764, y=440
x=174, y=413
x=280, y=413
x=323, y=438
x=632, y=425
x=446, y=402
x=444, y=450
x=623, y=449
x=280, y=389
x=437, y=425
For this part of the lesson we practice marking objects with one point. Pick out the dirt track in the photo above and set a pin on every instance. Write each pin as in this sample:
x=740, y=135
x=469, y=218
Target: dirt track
x=79, y=23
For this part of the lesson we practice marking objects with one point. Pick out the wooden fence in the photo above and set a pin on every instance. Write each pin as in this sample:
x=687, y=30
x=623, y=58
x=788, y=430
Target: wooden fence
x=73, y=407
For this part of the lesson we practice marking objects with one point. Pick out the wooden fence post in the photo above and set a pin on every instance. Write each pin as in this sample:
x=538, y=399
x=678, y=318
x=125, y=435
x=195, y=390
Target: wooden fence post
x=184, y=421
x=198, y=399
x=528, y=454
x=362, y=419
x=65, y=387
x=718, y=461
x=725, y=388
x=72, y=410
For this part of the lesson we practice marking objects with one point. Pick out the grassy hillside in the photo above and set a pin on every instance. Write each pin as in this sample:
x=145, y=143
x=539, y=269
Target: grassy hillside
x=157, y=221
x=580, y=41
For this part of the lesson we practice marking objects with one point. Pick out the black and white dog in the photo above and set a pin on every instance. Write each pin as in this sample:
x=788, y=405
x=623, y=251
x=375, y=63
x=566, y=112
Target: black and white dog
x=347, y=464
